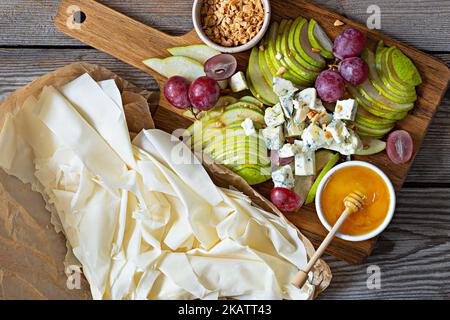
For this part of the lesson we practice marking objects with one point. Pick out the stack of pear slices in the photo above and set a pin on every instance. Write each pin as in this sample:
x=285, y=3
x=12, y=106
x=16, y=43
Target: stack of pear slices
x=219, y=135
x=295, y=50
x=389, y=92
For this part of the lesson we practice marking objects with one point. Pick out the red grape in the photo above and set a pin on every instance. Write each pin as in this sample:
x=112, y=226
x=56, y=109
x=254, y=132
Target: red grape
x=330, y=86
x=350, y=43
x=176, y=92
x=285, y=199
x=204, y=93
x=221, y=67
x=354, y=70
x=400, y=146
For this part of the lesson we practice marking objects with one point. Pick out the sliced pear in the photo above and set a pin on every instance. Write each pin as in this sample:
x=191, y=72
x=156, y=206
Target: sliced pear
x=403, y=67
x=176, y=66
x=253, y=174
x=374, y=109
x=319, y=39
x=313, y=191
x=372, y=132
x=253, y=90
x=225, y=101
x=198, y=52
x=369, y=92
x=283, y=58
x=308, y=75
x=266, y=72
x=299, y=39
x=369, y=57
x=272, y=54
x=371, y=146
x=300, y=56
x=257, y=81
x=391, y=83
x=369, y=120
x=252, y=100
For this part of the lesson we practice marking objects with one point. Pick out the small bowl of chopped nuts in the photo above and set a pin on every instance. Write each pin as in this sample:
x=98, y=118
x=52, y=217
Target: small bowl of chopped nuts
x=231, y=26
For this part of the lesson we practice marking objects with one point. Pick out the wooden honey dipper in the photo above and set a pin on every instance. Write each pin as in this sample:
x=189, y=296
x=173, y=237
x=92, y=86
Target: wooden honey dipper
x=353, y=203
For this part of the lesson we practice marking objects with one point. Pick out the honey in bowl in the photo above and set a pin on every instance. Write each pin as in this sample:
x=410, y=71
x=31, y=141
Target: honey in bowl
x=376, y=205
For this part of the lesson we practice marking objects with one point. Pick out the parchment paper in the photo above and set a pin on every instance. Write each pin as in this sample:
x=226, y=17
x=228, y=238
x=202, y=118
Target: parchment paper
x=32, y=254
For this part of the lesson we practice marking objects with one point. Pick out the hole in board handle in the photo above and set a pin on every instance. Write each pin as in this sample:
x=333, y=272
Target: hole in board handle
x=79, y=17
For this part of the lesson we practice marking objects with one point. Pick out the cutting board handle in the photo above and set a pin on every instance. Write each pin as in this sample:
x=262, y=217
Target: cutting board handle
x=116, y=34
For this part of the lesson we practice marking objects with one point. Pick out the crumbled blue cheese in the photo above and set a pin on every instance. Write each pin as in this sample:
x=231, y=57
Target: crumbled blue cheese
x=305, y=163
x=338, y=130
x=248, y=127
x=307, y=98
x=283, y=87
x=238, y=82
x=289, y=150
x=287, y=105
x=293, y=129
x=314, y=138
x=278, y=56
x=325, y=118
x=300, y=146
x=300, y=114
x=318, y=107
x=349, y=146
x=283, y=177
x=274, y=116
x=274, y=137
x=346, y=109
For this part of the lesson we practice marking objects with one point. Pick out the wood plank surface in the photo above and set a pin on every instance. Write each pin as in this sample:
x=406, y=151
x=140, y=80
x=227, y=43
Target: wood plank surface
x=29, y=22
x=413, y=252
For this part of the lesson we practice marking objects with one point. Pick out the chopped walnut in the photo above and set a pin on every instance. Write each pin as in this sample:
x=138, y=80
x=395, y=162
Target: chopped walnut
x=232, y=22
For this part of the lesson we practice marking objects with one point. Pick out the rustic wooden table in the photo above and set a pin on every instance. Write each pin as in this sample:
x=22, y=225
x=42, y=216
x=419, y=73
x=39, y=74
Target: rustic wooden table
x=413, y=255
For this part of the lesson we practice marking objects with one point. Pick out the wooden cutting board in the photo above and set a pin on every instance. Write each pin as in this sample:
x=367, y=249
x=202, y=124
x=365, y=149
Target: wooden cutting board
x=132, y=42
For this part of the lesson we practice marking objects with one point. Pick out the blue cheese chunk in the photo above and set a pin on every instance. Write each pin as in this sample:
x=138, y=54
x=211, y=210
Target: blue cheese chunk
x=318, y=107
x=338, y=130
x=349, y=146
x=293, y=129
x=238, y=82
x=300, y=114
x=283, y=177
x=307, y=98
x=248, y=127
x=274, y=137
x=287, y=105
x=289, y=150
x=314, y=137
x=305, y=164
x=283, y=87
x=325, y=118
x=274, y=116
x=346, y=109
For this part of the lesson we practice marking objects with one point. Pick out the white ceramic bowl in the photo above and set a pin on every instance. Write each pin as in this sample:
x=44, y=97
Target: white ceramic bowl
x=196, y=18
x=389, y=215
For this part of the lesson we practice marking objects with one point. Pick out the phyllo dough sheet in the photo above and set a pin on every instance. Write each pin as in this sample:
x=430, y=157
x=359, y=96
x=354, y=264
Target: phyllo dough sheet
x=143, y=217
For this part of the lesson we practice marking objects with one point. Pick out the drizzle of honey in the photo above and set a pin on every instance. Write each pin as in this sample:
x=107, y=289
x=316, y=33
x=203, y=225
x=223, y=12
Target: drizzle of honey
x=347, y=180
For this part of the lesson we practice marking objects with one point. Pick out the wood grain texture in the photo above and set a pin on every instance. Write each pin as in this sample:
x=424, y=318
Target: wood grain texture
x=29, y=22
x=132, y=42
x=413, y=252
